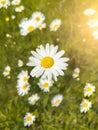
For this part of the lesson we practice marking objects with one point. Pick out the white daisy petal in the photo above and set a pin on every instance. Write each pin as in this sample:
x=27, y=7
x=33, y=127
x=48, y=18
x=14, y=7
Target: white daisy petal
x=34, y=71
x=53, y=50
x=47, y=49
x=59, y=54
x=36, y=55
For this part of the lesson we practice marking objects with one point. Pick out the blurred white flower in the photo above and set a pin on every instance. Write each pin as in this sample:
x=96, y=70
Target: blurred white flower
x=7, y=71
x=89, y=12
x=8, y=35
x=13, y=17
x=92, y=23
x=89, y=89
x=29, y=119
x=20, y=63
x=55, y=25
x=23, y=88
x=16, y=2
x=95, y=34
x=85, y=106
x=8, y=76
x=27, y=26
x=47, y=62
x=56, y=101
x=38, y=17
x=45, y=84
x=76, y=73
x=19, y=8
x=4, y=3
x=41, y=26
x=33, y=99
x=23, y=77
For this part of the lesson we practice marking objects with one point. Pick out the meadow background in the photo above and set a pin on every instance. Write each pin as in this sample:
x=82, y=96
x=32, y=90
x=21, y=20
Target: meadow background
x=75, y=37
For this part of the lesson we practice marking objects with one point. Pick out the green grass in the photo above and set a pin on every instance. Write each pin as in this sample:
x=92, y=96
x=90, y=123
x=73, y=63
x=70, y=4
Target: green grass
x=82, y=54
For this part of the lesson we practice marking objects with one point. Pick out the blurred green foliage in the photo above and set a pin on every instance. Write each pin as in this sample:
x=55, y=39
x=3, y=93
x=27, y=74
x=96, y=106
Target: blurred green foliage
x=76, y=39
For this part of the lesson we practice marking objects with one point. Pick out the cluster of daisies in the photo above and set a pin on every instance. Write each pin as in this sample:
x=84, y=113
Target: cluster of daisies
x=47, y=65
x=37, y=21
x=89, y=89
x=92, y=23
x=16, y=3
x=85, y=105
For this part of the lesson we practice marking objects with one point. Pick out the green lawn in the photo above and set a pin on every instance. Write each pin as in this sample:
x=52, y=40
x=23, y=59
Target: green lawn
x=75, y=37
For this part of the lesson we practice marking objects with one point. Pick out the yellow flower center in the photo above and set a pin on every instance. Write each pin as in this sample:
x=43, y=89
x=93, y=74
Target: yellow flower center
x=46, y=85
x=57, y=101
x=7, y=71
x=16, y=2
x=19, y=8
x=76, y=73
x=25, y=87
x=89, y=13
x=55, y=26
x=29, y=118
x=34, y=100
x=3, y=2
x=25, y=79
x=89, y=89
x=37, y=18
x=93, y=22
x=47, y=62
x=30, y=28
x=40, y=25
x=85, y=105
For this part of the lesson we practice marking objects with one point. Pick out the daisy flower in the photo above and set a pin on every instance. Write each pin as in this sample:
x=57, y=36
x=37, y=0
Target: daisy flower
x=55, y=25
x=16, y=2
x=76, y=73
x=23, y=77
x=20, y=63
x=95, y=34
x=27, y=26
x=38, y=17
x=47, y=62
x=33, y=99
x=23, y=88
x=4, y=3
x=89, y=89
x=45, y=84
x=89, y=12
x=85, y=106
x=41, y=26
x=92, y=23
x=7, y=71
x=19, y=8
x=56, y=101
x=29, y=119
